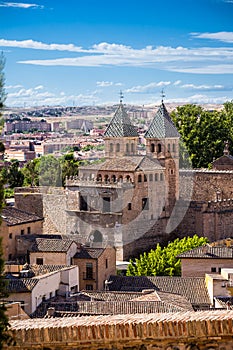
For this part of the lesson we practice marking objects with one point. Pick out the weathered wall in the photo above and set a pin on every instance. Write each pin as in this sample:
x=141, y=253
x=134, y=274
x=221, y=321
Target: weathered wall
x=199, y=267
x=174, y=331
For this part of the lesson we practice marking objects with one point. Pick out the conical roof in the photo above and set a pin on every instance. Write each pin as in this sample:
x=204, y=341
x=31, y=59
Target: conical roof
x=162, y=126
x=120, y=125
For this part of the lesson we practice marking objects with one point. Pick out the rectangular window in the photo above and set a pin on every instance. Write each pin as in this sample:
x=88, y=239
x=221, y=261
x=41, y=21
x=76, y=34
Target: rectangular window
x=145, y=178
x=106, y=263
x=161, y=177
x=39, y=261
x=213, y=269
x=89, y=287
x=89, y=271
x=129, y=206
x=150, y=177
x=10, y=235
x=83, y=203
x=106, y=205
x=22, y=232
x=29, y=230
x=156, y=177
x=145, y=203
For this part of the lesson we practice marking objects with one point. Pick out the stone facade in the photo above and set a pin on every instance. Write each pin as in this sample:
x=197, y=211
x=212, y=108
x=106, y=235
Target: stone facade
x=178, y=331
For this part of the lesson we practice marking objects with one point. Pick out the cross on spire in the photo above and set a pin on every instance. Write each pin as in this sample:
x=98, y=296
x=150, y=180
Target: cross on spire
x=162, y=95
x=121, y=96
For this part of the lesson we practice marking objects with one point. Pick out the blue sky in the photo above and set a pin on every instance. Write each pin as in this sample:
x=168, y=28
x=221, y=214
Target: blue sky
x=84, y=52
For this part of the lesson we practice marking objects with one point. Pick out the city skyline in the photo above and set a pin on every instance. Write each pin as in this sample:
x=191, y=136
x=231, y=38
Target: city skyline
x=84, y=53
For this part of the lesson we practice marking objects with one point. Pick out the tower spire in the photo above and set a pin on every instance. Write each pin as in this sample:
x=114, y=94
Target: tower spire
x=162, y=95
x=121, y=96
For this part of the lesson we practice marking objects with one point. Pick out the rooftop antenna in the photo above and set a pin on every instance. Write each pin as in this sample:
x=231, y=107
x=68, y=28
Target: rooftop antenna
x=121, y=96
x=162, y=95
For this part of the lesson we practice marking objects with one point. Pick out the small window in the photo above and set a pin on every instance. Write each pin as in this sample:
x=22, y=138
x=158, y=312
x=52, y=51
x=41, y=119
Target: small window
x=127, y=148
x=213, y=269
x=156, y=177
x=159, y=147
x=89, y=287
x=111, y=147
x=161, y=177
x=118, y=147
x=29, y=230
x=140, y=178
x=152, y=148
x=132, y=148
x=9, y=257
x=39, y=261
x=106, y=263
x=150, y=177
x=169, y=147
x=145, y=178
x=10, y=235
x=173, y=147
x=145, y=203
x=129, y=206
x=22, y=232
x=219, y=270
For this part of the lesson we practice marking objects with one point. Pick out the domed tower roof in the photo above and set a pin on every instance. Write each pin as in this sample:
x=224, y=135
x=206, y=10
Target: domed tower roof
x=120, y=125
x=162, y=126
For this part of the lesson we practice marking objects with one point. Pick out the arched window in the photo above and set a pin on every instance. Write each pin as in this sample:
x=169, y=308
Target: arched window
x=150, y=177
x=117, y=147
x=132, y=148
x=113, y=178
x=169, y=147
x=156, y=177
x=161, y=177
x=140, y=178
x=128, y=178
x=111, y=147
x=106, y=178
x=152, y=148
x=145, y=178
x=174, y=147
x=120, y=178
x=99, y=177
x=96, y=236
x=127, y=148
x=159, y=147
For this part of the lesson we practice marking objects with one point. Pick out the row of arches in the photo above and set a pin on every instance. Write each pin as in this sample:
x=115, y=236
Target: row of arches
x=157, y=148
x=129, y=148
x=150, y=177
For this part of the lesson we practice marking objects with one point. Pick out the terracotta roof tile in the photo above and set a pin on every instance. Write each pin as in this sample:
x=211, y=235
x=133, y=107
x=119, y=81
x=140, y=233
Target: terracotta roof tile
x=89, y=253
x=51, y=245
x=13, y=216
x=209, y=252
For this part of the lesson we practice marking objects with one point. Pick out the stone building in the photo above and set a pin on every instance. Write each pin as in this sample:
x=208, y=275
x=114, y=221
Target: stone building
x=133, y=201
x=17, y=222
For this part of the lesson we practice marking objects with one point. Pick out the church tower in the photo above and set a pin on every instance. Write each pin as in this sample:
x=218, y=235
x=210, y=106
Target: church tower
x=162, y=143
x=121, y=137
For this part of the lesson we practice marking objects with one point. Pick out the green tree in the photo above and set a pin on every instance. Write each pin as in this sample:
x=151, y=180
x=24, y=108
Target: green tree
x=203, y=133
x=50, y=171
x=31, y=172
x=164, y=261
x=69, y=166
x=14, y=174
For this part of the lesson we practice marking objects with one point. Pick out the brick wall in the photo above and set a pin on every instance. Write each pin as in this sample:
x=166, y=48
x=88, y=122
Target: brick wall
x=172, y=331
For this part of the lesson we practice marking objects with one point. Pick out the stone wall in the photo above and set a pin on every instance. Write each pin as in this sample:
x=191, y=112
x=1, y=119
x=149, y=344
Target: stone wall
x=212, y=330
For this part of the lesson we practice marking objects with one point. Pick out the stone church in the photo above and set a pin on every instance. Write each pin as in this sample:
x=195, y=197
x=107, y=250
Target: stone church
x=134, y=201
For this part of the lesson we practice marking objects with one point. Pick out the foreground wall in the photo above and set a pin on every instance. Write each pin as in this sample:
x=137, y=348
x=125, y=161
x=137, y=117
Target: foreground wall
x=175, y=331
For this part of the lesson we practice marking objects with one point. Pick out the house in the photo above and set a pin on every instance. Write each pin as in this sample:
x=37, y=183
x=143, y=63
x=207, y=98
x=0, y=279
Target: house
x=52, y=251
x=17, y=222
x=96, y=265
x=193, y=288
x=36, y=283
x=209, y=258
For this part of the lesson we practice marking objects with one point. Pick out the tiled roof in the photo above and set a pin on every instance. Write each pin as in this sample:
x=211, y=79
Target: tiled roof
x=51, y=245
x=209, y=252
x=127, y=163
x=193, y=288
x=120, y=125
x=162, y=126
x=21, y=285
x=127, y=307
x=111, y=296
x=89, y=253
x=13, y=216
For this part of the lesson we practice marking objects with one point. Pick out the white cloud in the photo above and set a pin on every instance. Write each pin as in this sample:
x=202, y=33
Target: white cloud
x=226, y=37
x=203, y=87
x=208, y=69
x=147, y=88
x=104, y=83
x=40, y=96
x=20, y=5
x=13, y=86
x=177, y=82
x=37, y=45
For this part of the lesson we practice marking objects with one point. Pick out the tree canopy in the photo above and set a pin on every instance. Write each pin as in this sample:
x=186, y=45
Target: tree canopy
x=203, y=132
x=164, y=261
